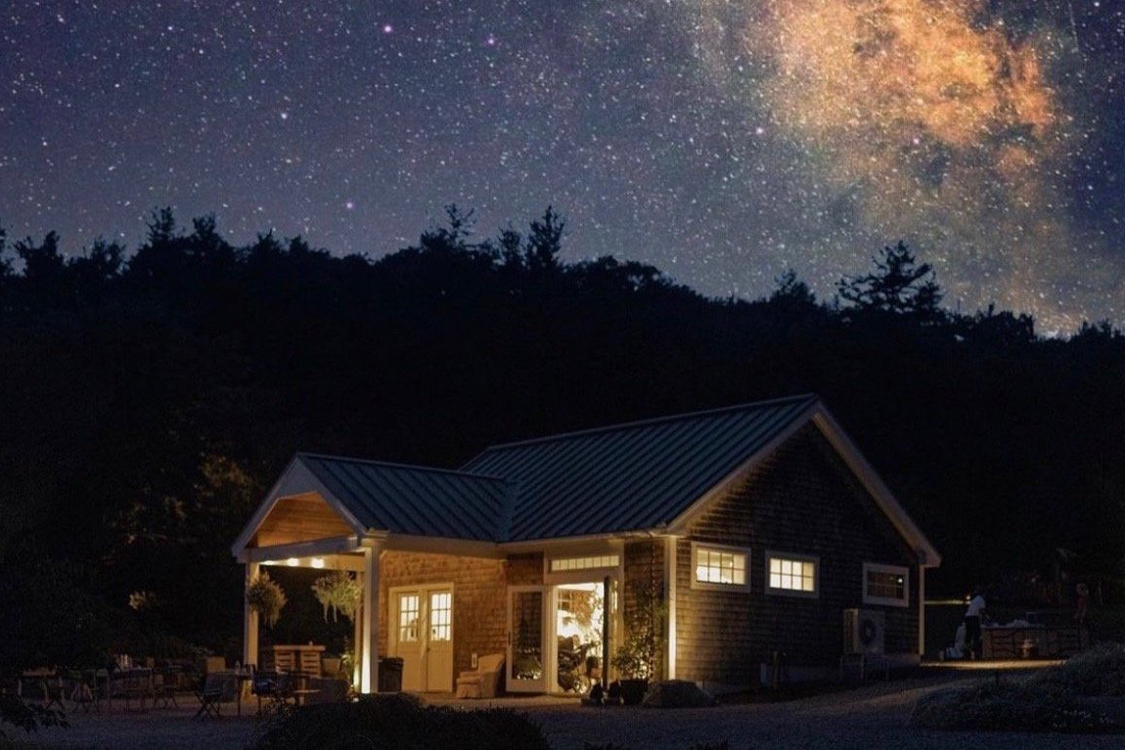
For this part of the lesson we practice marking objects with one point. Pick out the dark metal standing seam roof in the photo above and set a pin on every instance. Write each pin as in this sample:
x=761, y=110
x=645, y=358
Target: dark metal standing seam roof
x=629, y=477
x=415, y=499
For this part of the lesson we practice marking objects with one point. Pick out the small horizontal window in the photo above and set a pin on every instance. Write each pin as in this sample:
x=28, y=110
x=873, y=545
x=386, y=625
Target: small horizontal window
x=886, y=584
x=791, y=574
x=720, y=567
x=563, y=564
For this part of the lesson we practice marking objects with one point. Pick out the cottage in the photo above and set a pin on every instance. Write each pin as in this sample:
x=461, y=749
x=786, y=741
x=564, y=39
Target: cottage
x=740, y=533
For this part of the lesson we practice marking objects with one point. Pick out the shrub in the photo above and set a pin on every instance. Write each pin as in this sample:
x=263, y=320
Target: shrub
x=401, y=722
x=1006, y=706
x=1100, y=671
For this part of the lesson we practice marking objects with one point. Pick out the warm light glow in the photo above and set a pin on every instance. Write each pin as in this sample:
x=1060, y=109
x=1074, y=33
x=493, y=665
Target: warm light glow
x=292, y=562
x=318, y=562
x=792, y=575
x=560, y=564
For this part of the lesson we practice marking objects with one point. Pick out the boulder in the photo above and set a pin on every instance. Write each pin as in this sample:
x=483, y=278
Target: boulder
x=676, y=694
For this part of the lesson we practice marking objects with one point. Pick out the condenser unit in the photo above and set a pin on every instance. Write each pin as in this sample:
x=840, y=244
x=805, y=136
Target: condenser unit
x=864, y=631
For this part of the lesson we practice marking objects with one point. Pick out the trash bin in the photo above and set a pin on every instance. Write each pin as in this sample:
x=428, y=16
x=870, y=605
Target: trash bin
x=390, y=674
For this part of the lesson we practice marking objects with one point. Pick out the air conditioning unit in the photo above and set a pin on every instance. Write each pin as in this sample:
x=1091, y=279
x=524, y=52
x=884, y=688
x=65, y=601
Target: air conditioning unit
x=863, y=631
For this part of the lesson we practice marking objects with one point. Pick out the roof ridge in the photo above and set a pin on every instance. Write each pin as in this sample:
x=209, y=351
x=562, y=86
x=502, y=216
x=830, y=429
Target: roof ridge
x=811, y=397
x=396, y=465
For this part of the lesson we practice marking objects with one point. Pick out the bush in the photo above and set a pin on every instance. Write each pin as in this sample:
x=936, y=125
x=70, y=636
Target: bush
x=1008, y=706
x=401, y=722
x=1099, y=671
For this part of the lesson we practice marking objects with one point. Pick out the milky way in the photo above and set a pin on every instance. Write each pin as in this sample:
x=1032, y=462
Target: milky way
x=721, y=141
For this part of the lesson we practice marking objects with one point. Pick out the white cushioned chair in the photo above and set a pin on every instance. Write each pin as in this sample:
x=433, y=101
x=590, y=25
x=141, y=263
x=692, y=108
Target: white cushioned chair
x=484, y=681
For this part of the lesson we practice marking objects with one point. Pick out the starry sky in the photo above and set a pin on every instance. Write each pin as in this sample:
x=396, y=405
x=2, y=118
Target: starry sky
x=721, y=140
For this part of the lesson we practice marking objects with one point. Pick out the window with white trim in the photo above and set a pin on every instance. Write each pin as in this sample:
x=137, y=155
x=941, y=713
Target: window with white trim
x=565, y=564
x=441, y=616
x=886, y=584
x=794, y=575
x=407, y=618
x=716, y=566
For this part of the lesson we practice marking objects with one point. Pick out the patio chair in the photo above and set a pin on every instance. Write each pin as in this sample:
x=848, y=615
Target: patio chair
x=218, y=688
x=269, y=685
x=482, y=682
x=164, y=689
x=82, y=691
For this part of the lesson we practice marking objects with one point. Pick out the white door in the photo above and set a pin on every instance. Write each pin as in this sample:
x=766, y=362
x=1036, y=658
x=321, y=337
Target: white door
x=439, y=644
x=408, y=637
x=527, y=652
x=423, y=637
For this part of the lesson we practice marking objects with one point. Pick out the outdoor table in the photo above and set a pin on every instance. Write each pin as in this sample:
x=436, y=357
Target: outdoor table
x=244, y=676
x=132, y=683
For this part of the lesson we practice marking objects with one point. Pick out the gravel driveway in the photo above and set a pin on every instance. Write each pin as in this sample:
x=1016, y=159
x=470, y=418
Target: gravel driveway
x=874, y=716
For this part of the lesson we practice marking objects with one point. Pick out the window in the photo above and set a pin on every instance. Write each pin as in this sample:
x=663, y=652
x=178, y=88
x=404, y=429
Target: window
x=407, y=618
x=441, y=616
x=719, y=567
x=793, y=575
x=564, y=564
x=886, y=584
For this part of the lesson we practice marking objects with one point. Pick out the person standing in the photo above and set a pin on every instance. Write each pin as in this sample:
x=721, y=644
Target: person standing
x=973, y=616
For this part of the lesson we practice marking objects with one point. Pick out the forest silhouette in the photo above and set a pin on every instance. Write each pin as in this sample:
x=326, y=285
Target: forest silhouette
x=150, y=398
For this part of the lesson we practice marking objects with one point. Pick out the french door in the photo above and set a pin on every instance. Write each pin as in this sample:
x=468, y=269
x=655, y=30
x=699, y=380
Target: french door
x=527, y=639
x=422, y=636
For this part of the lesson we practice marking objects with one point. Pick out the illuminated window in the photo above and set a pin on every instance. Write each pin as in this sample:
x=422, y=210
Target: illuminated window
x=719, y=567
x=407, y=618
x=886, y=584
x=441, y=616
x=565, y=564
x=791, y=574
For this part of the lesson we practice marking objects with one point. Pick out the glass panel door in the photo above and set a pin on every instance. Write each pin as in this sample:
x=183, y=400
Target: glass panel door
x=526, y=653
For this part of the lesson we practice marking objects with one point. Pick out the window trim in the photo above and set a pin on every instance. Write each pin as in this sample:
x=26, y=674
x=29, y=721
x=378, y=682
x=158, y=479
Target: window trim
x=902, y=570
x=698, y=585
x=793, y=557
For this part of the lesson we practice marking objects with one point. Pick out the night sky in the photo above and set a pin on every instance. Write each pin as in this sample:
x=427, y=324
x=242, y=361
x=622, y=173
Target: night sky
x=722, y=141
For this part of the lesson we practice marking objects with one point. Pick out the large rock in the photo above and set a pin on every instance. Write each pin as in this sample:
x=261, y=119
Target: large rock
x=676, y=694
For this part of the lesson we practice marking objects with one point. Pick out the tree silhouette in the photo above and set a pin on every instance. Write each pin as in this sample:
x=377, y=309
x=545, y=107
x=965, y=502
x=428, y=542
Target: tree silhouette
x=897, y=285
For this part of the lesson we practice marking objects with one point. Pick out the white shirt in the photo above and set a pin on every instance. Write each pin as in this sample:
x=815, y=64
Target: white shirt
x=976, y=606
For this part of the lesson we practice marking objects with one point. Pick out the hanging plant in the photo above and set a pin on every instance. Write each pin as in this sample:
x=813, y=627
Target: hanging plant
x=265, y=597
x=339, y=592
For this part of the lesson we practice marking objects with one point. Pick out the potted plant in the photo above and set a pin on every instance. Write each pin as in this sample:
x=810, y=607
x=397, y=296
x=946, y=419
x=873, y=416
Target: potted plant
x=635, y=659
x=265, y=597
x=338, y=592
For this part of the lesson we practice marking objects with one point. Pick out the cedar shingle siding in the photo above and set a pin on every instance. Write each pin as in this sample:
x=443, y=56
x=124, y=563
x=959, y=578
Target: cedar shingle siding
x=479, y=600
x=804, y=500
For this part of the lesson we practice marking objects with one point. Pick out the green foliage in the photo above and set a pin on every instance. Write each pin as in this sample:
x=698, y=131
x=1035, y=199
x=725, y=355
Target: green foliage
x=636, y=657
x=401, y=722
x=1099, y=671
x=1008, y=706
x=265, y=597
x=27, y=716
x=339, y=592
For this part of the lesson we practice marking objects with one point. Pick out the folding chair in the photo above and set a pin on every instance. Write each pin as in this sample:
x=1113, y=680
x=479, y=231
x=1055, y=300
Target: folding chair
x=210, y=695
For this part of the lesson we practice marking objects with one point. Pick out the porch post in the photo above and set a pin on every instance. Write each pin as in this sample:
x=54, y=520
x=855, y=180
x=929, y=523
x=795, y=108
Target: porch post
x=670, y=601
x=370, y=670
x=357, y=636
x=250, y=622
x=921, y=610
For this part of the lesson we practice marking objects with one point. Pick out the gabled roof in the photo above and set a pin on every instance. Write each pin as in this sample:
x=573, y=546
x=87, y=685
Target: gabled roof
x=635, y=476
x=649, y=476
x=415, y=500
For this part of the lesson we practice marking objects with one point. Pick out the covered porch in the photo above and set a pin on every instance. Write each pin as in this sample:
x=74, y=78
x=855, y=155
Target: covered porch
x=328, y=514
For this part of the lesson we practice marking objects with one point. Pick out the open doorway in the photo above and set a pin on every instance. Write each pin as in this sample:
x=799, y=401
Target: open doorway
x=579, y=629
